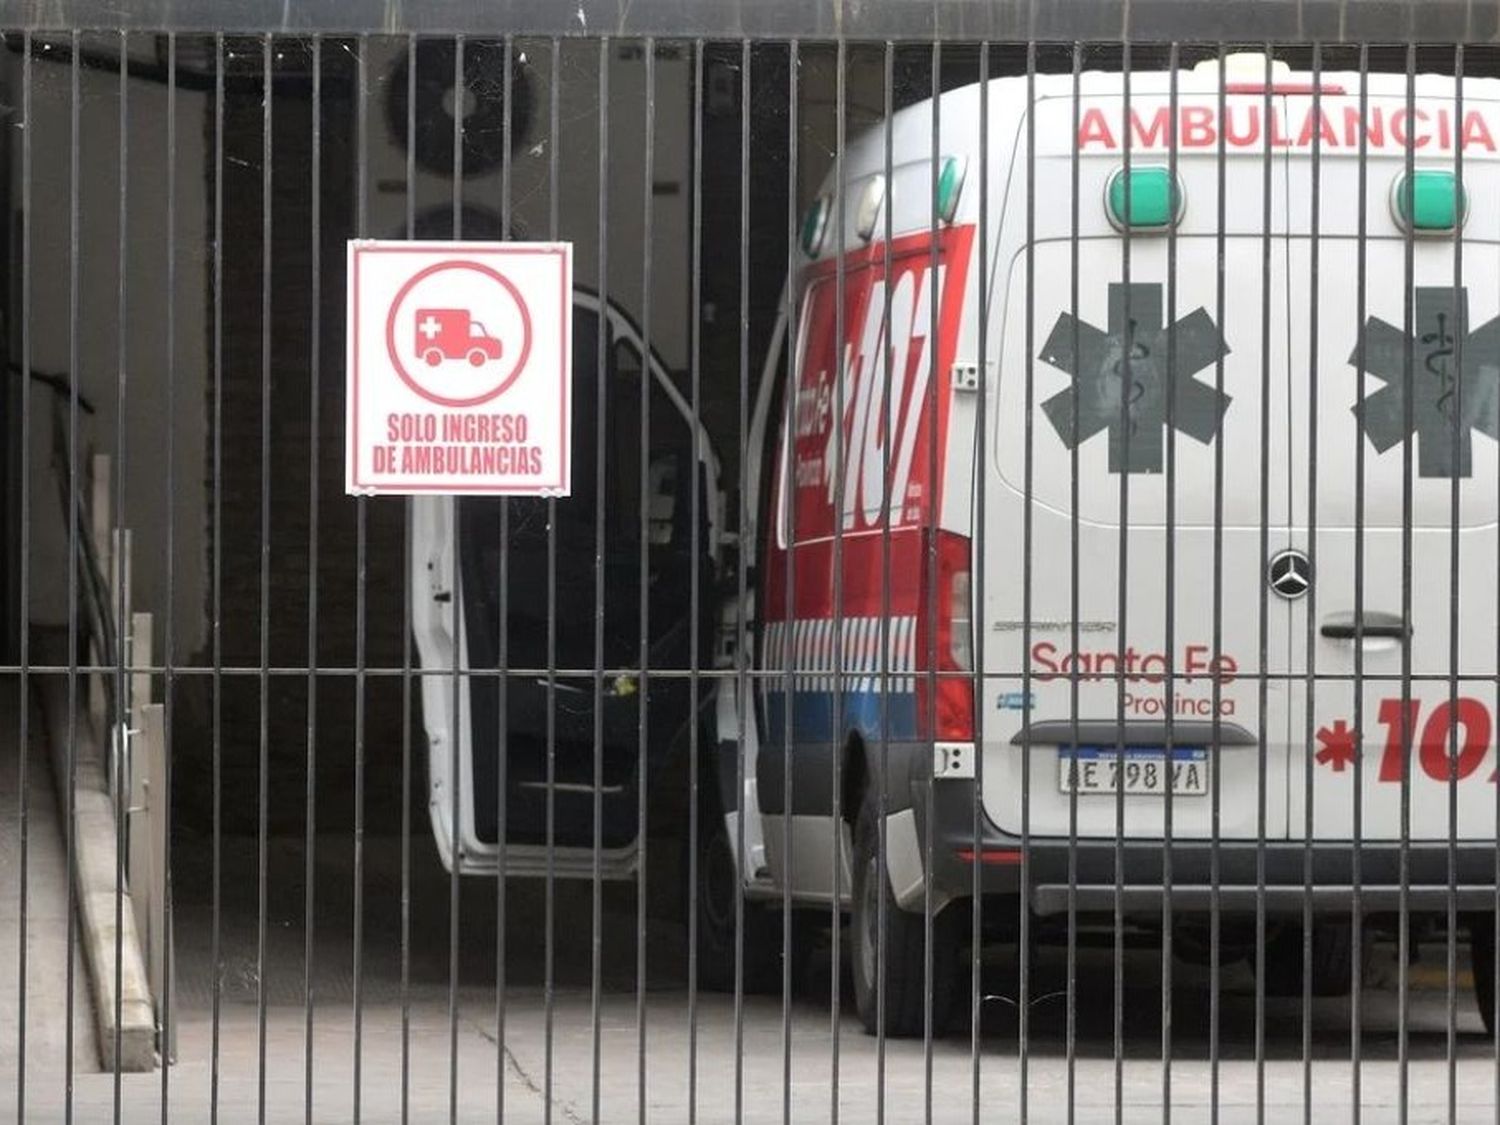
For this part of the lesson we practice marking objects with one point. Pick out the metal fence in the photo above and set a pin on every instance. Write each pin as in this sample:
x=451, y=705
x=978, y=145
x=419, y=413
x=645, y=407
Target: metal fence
x=1022, y=643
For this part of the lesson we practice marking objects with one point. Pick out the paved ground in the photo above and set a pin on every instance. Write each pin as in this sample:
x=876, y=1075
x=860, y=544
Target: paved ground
x=524, y=1064
x=46, y=1007
x=266, y=1065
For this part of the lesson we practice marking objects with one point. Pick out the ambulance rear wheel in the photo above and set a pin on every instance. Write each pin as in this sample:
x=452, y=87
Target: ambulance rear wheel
x=902, y=939
x=1332, y=960
x=1482, y=963
x=432, y=357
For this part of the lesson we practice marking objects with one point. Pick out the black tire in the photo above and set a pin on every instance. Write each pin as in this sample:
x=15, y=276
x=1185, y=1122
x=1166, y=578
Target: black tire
x=1482, y=964
x=717, y=889
x=1332, y=960
x=904, y=944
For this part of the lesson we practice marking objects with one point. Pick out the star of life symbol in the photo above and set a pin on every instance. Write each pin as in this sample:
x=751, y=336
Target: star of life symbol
x=1121, y=381
x=1455, y=377
x=1338, y=746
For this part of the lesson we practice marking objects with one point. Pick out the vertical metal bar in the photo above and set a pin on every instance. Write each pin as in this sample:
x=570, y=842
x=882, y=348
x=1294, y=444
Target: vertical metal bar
x=1028, y=576
x=1123, y=608
x=840, y=500
x=1170, y=624
x=648, y=237
x=120, y=730
x=933, y=522
x=1074, y=590
x=1491, y=923
x=789, y=649
x=981, y=475
x=1217, y=687
x=695, y=602
x=23, y=778
x=71, y=781
x=840, y=452
x=1460, y=329
x=361, y=563
x=1310, y=632
x=1356, y=1004
x=883, y=778
x=554, y=183
x=406, y=656
x=741, y=580
x=840, y=621
x=314, y=371
x=1262, y=683
x=1403, y=1055
x=502, y=685
x=455, y=741
x=162, y=802
x=216, y=948
x=602, y=397
x=263, y=799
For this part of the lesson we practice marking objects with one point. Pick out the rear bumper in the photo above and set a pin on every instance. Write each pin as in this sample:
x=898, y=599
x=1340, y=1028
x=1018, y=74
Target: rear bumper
x=1234, y=876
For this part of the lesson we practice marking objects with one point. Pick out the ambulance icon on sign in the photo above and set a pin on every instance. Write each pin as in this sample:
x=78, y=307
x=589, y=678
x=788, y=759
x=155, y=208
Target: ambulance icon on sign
x=458, y=332
x=453, y=334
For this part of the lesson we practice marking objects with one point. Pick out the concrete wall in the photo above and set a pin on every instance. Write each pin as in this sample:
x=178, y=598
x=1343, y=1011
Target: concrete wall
x=577, y=77
x=144, y=418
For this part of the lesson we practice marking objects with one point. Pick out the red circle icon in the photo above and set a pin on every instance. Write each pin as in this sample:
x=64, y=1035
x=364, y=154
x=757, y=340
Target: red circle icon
x=458, y=333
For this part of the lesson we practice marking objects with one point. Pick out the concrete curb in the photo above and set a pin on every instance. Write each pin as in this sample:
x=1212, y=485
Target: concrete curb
x=94, y=886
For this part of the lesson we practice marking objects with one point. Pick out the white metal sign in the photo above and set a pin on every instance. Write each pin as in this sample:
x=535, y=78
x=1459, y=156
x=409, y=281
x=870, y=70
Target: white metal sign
x=459, y=368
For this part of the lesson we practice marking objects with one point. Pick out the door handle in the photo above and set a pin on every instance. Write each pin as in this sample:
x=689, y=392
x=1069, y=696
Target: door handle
x=1372, y=624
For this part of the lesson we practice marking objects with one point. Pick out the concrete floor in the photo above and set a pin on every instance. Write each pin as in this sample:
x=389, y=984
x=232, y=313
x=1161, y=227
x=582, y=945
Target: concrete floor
x=449, y=1065
x=243, y=1085
x=45, y=1043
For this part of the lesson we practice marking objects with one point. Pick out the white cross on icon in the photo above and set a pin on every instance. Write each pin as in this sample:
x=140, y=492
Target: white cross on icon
x=430, y=327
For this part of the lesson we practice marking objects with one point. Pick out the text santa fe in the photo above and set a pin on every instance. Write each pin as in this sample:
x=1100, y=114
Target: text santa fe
x=1334, y=125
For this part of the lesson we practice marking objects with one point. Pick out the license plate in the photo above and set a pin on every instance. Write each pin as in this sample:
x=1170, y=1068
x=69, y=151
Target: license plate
x=1099, y=769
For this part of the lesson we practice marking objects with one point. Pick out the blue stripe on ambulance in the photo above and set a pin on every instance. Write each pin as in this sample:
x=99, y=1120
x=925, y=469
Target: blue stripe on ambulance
x=806, y=648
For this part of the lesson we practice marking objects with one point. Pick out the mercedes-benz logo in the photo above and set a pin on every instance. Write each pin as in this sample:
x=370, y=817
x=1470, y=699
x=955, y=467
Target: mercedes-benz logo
x=1289, y=573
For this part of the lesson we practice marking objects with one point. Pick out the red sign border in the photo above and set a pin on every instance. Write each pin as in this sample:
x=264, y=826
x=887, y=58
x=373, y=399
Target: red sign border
x=397, y=487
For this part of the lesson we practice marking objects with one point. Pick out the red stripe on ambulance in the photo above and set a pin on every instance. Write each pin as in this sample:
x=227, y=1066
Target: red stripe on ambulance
x=871, y=397
x=822, y=463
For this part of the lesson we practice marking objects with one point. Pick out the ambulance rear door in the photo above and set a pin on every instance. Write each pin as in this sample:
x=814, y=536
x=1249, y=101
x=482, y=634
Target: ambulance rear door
x=1427, y=463
x=1200, y=684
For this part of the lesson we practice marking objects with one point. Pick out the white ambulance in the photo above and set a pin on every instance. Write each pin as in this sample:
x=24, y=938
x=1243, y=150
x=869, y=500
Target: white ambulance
x=1304, y=424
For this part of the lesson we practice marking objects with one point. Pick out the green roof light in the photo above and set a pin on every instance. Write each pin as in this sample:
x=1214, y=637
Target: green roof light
x=815, y=225
x=1429, y=201
x=950, y=186
x=1155, y=201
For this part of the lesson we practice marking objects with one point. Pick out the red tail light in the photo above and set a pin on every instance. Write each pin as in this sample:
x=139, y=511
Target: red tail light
x=945, y=702
x=992, y=857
